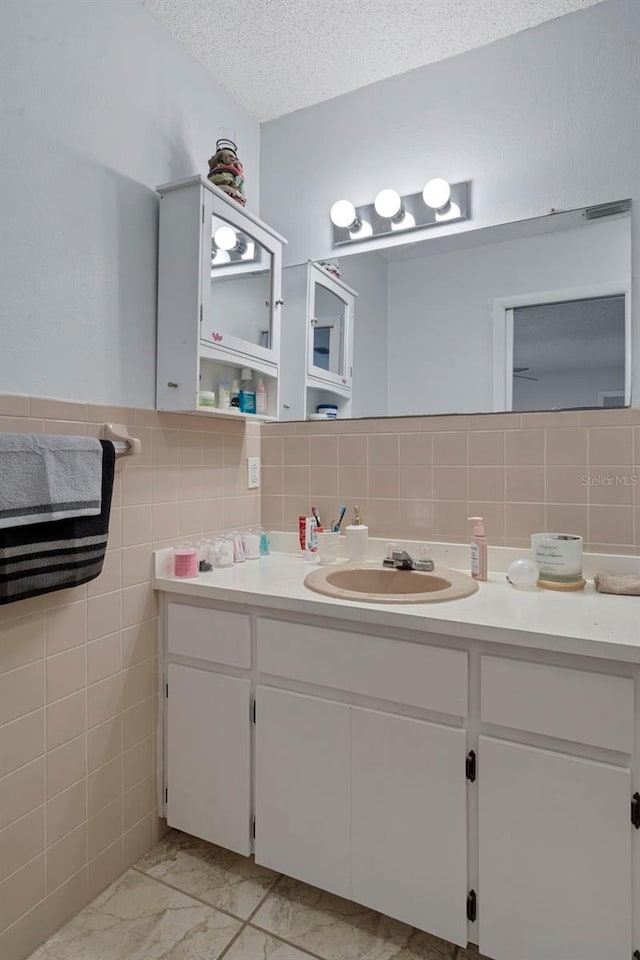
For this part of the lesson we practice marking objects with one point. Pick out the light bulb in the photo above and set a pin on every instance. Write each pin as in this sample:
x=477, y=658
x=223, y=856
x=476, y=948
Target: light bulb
x=405, y=223
x=241, y=245
x=436, y=193
x=222, y=256
x=451, y=212
x=225, y=238
x=250, y=252
x=343, y=213
x=388, y=203
x=523, y=574
x=362, y=230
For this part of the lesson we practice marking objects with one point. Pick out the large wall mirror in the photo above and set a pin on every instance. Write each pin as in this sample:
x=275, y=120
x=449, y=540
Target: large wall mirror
x=532, y=315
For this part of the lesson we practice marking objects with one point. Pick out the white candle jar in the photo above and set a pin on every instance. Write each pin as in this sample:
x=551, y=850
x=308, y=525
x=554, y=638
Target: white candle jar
x=558, y=556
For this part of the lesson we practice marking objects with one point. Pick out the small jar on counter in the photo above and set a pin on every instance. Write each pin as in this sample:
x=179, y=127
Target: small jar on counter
x=251, y=541
x=223, y=552
x=186, y=560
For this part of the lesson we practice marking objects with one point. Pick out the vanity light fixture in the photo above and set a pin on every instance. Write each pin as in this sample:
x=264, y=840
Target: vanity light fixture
x=229, y=246
x=388, y=203
x=343, y=215
x=225, y=238
x=220, y=257
x=436, y=193
x=438, y=202
x=388, y=206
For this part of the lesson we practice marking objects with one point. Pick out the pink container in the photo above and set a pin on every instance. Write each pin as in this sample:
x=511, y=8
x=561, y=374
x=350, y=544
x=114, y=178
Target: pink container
x=185, y=562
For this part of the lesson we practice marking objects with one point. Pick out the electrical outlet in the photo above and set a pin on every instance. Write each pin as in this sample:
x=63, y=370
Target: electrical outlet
x=253, y=473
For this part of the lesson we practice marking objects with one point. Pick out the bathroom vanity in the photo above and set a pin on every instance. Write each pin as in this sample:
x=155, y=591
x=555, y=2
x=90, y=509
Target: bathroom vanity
x=471, y=768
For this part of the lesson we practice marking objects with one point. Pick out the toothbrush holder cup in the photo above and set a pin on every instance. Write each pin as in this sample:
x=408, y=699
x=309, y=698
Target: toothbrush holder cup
x=328, y=546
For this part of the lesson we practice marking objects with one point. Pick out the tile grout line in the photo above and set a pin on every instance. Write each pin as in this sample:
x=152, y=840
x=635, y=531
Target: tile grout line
x=270, y=890
x=171, y=886
x=289, y=943
x=227, y=947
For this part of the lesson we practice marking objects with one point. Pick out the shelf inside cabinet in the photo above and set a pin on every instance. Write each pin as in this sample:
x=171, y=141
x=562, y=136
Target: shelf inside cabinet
x=231, y=414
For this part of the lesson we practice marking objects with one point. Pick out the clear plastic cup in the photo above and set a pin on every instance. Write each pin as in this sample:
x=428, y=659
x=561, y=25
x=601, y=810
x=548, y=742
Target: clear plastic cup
x=328, y=543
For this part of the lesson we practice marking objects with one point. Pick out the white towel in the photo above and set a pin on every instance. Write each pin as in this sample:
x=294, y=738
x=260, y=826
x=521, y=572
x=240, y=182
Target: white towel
x=46, y=478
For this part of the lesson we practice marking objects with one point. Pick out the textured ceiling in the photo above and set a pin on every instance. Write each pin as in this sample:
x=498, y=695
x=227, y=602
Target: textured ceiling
x=275, y=56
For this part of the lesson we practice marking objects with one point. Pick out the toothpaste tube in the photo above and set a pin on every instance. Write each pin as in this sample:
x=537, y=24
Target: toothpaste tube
x=308, y=534
x=311, y=534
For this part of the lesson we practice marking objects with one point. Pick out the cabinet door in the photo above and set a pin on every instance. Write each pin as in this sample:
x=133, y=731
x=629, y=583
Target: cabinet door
x=209, y=756
x=409, y=821
x=302, y=788
x=241, y=285
x=330, y=338
x=555, y=855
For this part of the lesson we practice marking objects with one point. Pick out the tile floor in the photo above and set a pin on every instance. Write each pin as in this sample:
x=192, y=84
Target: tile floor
x=189, y=900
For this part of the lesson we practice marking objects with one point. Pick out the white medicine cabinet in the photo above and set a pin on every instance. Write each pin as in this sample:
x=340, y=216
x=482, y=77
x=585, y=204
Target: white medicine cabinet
x=219, y=300
x=317, y=346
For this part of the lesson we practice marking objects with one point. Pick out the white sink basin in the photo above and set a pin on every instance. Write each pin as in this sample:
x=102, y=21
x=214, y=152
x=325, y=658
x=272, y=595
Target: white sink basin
x=372, y=583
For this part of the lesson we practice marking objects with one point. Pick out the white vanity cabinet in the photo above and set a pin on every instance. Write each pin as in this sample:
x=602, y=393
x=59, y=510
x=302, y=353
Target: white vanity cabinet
x=317, y=342
x=208, y=756
x=219, y=298
x=303, y=788
x=365, y=804
x=555, y=855
x=409, y=821
x=207, y=725
x=477, y=791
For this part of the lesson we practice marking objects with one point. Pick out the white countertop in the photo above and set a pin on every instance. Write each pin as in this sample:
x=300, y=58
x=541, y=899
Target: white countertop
x=585, y=622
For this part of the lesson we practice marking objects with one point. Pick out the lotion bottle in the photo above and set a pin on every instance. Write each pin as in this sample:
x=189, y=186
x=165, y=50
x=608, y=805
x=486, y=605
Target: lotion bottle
x=478, y=548
x=261, y=397
x=357, y=538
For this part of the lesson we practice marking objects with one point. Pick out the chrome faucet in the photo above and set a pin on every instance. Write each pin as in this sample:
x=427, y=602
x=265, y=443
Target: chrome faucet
x=401, y=560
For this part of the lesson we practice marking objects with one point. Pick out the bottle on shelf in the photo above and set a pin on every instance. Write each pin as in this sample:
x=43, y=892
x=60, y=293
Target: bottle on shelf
x=247, y=392
x=234, y=400
x=261, y=397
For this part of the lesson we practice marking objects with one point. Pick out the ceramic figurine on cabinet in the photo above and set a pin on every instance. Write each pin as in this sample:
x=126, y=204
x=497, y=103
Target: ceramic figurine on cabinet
x=226, y=171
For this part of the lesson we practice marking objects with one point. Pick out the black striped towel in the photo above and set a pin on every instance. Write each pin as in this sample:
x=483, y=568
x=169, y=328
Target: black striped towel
x=43, y=557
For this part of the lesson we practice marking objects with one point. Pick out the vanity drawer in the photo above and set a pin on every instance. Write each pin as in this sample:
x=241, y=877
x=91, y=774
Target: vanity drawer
x=592, y=708
x=213, y=635
x=411, y=673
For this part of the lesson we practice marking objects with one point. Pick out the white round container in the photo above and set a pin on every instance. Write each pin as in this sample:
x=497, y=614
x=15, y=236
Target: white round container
x=558, y=556
x=357, y=542
x=206, y=398
x=328, y=542
x=251, y=541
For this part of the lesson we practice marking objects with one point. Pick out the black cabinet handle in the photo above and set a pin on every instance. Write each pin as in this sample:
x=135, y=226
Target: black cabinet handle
x=472, y=906
x=635, y=813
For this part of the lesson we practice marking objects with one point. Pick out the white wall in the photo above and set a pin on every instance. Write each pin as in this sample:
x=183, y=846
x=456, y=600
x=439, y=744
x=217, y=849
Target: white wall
x=99, y=105
x=547, y=118
x=441, y=316
x=367, y=275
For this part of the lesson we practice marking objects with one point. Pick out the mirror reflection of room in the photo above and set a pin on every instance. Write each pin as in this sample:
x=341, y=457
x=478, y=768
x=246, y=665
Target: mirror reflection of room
x=533, y=315
x=241, y=283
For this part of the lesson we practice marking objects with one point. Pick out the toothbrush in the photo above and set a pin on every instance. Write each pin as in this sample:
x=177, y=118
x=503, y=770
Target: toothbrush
x=314, y=511
x=336, y=526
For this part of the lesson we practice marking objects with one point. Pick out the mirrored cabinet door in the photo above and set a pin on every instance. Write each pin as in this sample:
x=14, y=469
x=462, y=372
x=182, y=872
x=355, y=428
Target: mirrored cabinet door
x=330, y=333
x=241, y=286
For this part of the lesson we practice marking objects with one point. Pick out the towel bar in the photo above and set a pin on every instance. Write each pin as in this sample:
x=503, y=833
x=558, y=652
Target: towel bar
x=125, y=445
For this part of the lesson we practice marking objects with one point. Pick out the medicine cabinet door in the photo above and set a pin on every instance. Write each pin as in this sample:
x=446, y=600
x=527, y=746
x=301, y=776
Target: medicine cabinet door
x=330, y=331
x=241, y=286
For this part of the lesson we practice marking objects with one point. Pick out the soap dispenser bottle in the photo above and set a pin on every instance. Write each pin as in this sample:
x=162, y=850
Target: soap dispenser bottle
x=357, y=538
x=478, y=548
